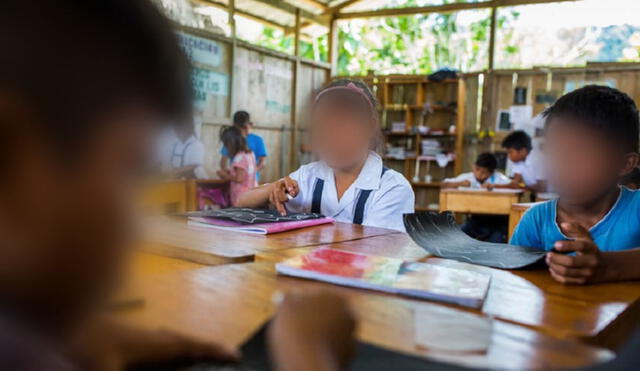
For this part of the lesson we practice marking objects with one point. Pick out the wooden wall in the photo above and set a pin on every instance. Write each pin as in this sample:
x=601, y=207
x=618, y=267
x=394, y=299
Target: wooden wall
x=498, y=94
x=262, y=83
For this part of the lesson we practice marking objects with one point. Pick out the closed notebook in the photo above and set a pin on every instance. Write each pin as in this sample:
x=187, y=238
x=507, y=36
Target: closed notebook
x=391, y=275
x=260, y=228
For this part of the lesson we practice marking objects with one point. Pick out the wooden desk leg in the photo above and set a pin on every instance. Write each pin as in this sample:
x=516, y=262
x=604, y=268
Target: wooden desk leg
x=192, y=195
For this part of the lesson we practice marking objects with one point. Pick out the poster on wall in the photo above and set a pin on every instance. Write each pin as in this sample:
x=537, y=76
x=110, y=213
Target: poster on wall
x=207, y=83
x=207, y=53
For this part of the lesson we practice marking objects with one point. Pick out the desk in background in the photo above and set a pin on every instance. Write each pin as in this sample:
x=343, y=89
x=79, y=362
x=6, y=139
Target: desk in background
x=177, y=196
x=516, y=213
x=478, y=201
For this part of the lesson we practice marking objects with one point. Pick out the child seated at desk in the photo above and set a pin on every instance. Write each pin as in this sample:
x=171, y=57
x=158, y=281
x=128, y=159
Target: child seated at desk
x=525, y=170
x=350, y=182
x=73, y=154
x=243, y=169
x=484, y=174
x=592, y=231
x=491, y=228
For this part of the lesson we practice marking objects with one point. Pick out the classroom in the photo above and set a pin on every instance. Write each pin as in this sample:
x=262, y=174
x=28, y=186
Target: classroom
x=319, y=185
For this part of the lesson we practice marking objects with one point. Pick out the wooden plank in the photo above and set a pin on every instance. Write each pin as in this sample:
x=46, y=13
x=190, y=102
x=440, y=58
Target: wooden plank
x=477, y=202
x=334, y=45
x=294, y=96
x=460, y=124
x=284, y=6
x=172, y=237
x=253, y=17
x=492, y=38
x=445, y=8
x=165, y=197
x=517, y=211
x=316, y=4
x=227, y=304
x=343, y=5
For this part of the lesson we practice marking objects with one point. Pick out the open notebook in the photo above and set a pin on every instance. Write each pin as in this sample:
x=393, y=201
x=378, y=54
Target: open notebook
x=391, y=275
x=259, y=228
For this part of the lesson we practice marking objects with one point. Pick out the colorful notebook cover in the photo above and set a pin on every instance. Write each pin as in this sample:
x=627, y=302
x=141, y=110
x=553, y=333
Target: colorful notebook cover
x=379, y=273
x=264, y=228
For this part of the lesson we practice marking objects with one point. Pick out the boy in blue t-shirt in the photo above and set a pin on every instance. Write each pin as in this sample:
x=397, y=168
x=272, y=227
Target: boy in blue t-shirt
x=592, y=232
x=242, y=120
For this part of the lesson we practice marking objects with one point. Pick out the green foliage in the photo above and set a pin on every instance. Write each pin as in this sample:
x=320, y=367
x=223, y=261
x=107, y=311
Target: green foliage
x=417, y=44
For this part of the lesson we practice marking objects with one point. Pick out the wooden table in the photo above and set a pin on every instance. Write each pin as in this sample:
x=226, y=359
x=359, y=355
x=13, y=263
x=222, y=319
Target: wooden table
x=599, y=314
x=539, y=323
x=193, y=185
x=172, y=237
x=516, y=213
x=478, y=201
x=227, y=304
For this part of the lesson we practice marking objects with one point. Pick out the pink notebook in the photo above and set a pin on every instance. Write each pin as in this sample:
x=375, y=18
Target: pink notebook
x=264, y=228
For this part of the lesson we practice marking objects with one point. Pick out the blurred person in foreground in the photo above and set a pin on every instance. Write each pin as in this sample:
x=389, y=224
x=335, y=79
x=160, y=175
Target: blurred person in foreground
x=82, y=85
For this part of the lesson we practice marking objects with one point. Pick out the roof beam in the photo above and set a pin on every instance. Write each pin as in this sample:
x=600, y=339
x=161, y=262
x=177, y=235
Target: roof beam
x=284, y=6
x=253, y=17
x=345, y=4
x=316, y=4
x=440, y=8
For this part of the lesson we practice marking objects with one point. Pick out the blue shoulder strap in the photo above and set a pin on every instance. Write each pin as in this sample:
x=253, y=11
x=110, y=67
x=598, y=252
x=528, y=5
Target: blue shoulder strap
x=316, y=201
x=358, y=215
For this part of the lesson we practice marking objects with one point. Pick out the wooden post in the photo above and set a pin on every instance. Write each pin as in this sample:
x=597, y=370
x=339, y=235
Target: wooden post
x=460, y=125
x=492, y=38
x=334, y=45
x=294, y=94
x=232, y=57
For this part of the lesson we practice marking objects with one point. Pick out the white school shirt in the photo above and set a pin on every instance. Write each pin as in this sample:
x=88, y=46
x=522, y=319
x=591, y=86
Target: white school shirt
x=391, y=194
x=496, y=178
x=531, y=169
x=190, y=152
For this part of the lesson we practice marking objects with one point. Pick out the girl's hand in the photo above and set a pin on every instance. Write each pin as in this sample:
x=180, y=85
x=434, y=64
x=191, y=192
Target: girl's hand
x=279, y=191
x=586, y=266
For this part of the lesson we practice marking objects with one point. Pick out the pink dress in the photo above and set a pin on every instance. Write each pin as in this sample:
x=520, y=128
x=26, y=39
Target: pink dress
x=247, y=162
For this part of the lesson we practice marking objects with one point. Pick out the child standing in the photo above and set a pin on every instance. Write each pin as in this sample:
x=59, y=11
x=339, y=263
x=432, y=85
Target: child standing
x=484, y=174
x=242, y=121
x=349, y=182
x=592, y=231
x=242, y=172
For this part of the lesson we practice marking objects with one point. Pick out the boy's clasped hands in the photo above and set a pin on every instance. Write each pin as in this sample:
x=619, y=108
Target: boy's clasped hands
x=585, y=266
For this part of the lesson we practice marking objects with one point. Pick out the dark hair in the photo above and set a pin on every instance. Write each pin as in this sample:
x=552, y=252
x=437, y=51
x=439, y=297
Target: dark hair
x=517, y=140
x=233, y=140
x=241, y=119
x=633, y=178
x=606, y=109
x=75, y=61
x=487, y=161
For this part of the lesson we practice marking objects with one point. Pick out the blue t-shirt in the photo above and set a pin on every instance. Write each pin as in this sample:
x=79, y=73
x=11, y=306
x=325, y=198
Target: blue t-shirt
x=618, y=230
x=256, y=145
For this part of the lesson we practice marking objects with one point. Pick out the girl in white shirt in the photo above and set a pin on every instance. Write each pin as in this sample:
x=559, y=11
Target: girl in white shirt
x=349, y=182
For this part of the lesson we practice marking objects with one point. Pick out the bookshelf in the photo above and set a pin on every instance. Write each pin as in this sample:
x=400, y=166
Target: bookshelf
x=421, y=119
